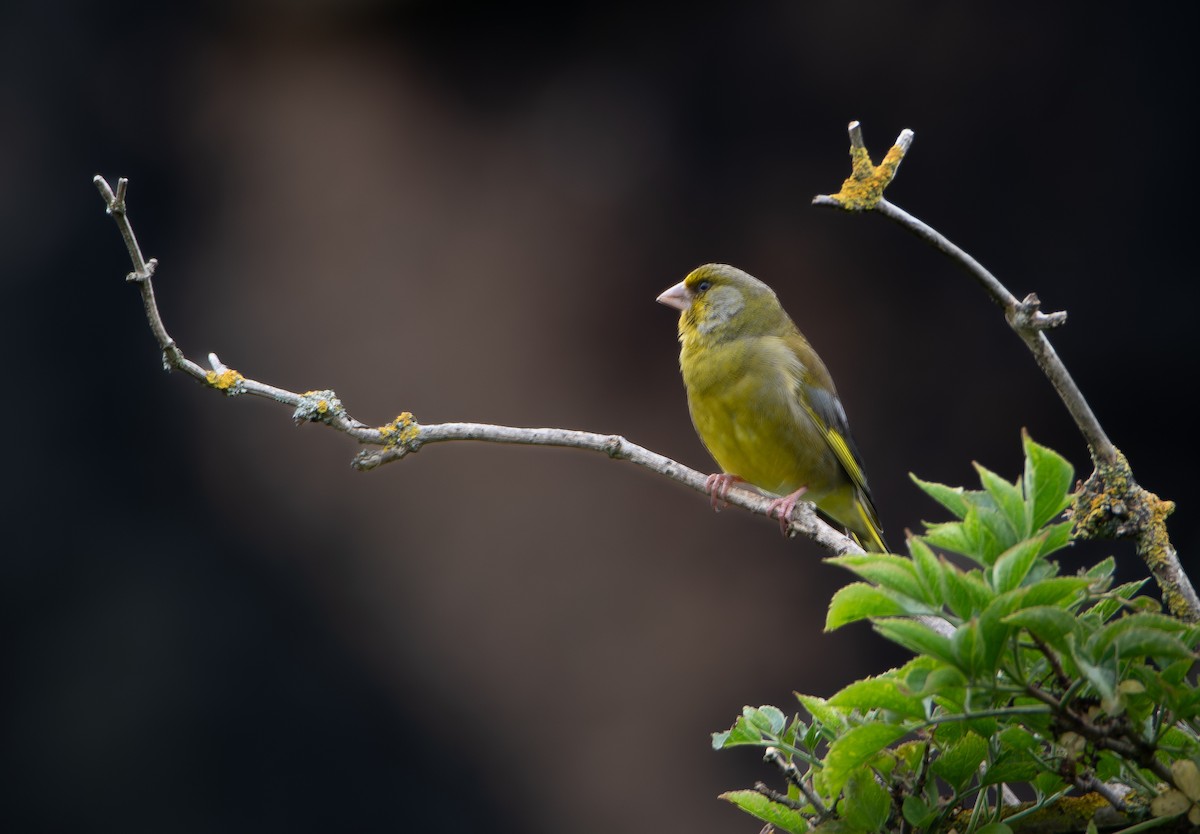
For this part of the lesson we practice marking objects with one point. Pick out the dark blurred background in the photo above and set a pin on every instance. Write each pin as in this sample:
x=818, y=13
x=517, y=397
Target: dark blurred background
x=465, y=210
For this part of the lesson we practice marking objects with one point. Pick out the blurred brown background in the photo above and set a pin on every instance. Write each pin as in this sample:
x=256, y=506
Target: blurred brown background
x=211, y=623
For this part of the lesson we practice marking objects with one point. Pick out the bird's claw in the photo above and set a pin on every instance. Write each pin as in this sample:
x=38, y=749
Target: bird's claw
x=782, y=508
x=717, y=486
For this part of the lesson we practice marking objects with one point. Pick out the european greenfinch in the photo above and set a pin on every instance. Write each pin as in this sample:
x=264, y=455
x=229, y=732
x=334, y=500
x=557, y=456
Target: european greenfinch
x=764, y=404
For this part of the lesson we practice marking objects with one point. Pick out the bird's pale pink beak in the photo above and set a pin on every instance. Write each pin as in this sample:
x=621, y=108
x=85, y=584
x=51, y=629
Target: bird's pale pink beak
x=678, y=296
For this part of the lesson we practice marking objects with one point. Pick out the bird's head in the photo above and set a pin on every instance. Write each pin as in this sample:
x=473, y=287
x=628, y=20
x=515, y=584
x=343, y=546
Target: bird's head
x=722, y=301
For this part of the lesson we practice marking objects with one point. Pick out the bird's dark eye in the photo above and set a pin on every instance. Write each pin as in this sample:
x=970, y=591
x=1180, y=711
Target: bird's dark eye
x=703, y=285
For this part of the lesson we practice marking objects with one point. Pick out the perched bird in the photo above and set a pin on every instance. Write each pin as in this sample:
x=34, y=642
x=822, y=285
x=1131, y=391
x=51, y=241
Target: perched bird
x=763, y=403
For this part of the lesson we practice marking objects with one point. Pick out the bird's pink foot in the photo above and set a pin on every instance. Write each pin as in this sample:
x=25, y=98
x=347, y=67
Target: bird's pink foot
x=717, y=485
x=783, y=507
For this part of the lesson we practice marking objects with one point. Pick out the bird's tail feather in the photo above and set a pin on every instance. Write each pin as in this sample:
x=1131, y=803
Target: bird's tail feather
x=872, y=541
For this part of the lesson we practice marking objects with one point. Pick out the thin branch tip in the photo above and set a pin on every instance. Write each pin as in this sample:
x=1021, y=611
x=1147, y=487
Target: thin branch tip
x=856, y=136
x=1026, y=315
x=105, y=189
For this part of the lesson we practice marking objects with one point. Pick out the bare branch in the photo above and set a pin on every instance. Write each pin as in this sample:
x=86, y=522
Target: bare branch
x=776, y=796
x=404, y=436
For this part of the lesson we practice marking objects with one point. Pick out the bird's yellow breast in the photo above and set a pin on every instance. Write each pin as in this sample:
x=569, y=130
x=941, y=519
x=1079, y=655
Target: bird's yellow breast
x=743, y=398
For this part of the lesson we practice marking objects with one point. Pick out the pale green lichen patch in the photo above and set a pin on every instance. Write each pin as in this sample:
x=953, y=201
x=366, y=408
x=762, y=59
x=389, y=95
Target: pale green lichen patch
x=228, y=380
x=403, y=431
x=318, y=407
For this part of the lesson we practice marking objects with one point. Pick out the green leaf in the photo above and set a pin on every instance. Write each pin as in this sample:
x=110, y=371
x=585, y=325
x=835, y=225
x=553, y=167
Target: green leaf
x=1013, y=564
x=860, y=601
x=1057, y=536
x=765, y=719
x=910, y=754
x=1102, y=569
x=1106, y=637
x=994, y=632
x=990, y=532
x=1052, y=625
x=968, y=648
x=959, y=762
x=1041, y=569
x=1148, y=642
x=1108, y=765
x=1102, y=678
x=796, y=729
x=1011, y=766
x=951, y=498
x=895, y=573
x=772, y=813
x=1018, y=738
x=1177, y=738
x=821, y=711
x=1009, y=502
x=965, y=592
x=917, y=812
x=950, y=535
x=928, y=569
x=948, y=733
x=742, y=732
x=956, y=594
x=916, y=637
x=878, y=693
x=1047, y=783
x=866, y=805
x=983, y=533
x=1060, y=591
x=853, y=749
x=1108, y=607
x=994, y=828
x=985, y=727
x=1192, y=635
x=1048, y=479
x=1174, y=673
x=901, y=674
x=885, y=763
x=942, y=680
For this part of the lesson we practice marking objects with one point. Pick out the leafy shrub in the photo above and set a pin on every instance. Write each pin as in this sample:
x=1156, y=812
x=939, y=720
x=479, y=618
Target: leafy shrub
x=1047, y=684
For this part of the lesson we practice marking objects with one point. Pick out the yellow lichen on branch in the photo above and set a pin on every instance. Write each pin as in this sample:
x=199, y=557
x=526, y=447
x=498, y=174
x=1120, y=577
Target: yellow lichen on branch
x=863, y=189
x=1111, y=505
x=400, y=432
x=227, y=380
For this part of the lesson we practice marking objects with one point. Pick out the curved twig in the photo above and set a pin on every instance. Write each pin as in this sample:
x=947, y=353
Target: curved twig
x=1025, y=317
x=1111, y=503
x=404, y=436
